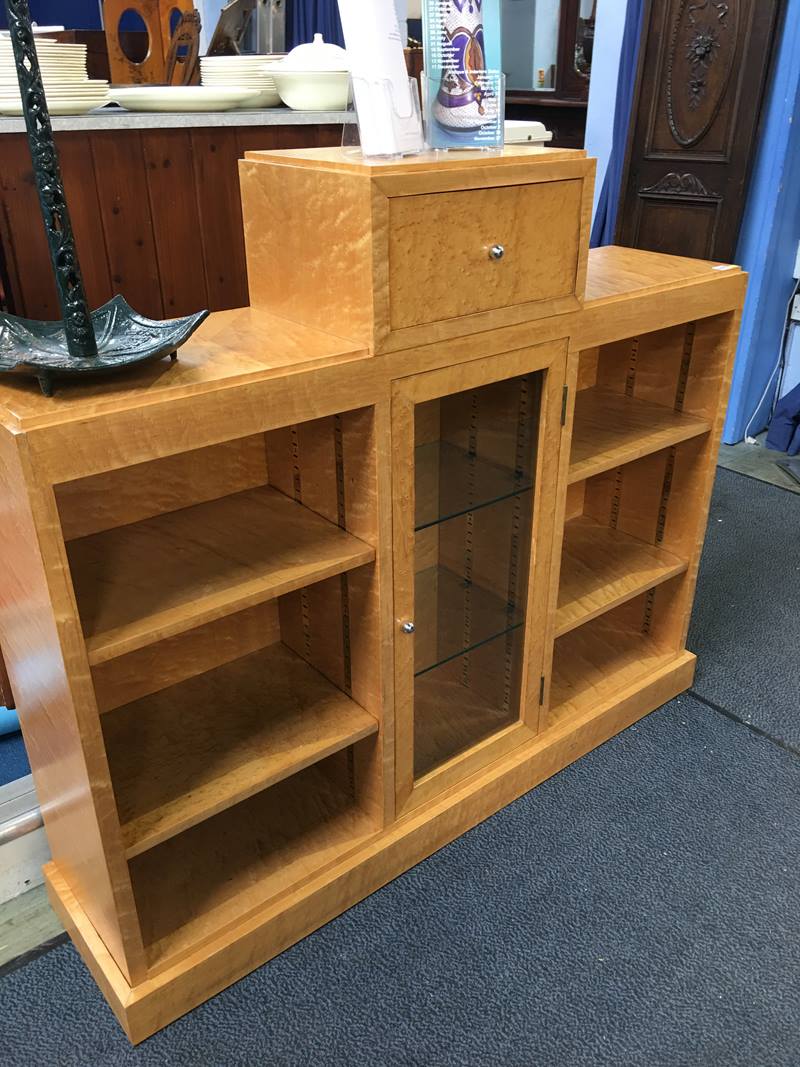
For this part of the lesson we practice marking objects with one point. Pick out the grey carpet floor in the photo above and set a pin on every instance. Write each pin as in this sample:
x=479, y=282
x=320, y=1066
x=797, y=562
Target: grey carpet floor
x=746, y=623
x=640, y=908
x=13, y=758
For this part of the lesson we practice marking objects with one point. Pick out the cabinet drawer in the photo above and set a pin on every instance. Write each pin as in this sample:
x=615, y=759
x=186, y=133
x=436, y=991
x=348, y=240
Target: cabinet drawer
x=440, y=261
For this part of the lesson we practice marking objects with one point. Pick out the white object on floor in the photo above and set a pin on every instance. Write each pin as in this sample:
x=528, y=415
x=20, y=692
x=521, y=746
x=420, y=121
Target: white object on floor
x=182, y=98
x=791, y=370
x=524, y=131
x=23, y=845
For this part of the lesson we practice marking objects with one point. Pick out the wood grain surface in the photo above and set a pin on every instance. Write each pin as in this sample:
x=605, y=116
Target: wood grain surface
x=212, y=876
x=602, y=567
x=612, y=429
x=201, y=746
x=140, y=583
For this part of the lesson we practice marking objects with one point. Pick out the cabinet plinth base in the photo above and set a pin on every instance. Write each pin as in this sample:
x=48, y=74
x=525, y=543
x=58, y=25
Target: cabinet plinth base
x=145, y=1008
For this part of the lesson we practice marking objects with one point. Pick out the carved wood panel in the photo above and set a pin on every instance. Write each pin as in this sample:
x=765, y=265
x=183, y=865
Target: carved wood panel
x=702, y=71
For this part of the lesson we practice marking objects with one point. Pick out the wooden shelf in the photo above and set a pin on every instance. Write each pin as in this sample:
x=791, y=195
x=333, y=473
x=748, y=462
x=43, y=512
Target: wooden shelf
x=601, y=568
x=594, y=662
x=190, y=751
x=196, y=885
x=611, y=429
x=137, y=584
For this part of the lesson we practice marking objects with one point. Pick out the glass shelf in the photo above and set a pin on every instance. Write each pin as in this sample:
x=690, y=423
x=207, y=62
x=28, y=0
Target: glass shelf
x=461, y=703
x=451, y=482
x=457, y=617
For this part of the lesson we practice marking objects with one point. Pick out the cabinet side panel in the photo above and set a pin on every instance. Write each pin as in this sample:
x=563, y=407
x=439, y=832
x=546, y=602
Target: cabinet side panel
x=47, y=667
x=309, y=246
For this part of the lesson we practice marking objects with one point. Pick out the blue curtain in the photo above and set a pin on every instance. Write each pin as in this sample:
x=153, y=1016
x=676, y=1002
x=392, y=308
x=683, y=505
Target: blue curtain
x=605, y=220
x=74, y=14
x=304, y=18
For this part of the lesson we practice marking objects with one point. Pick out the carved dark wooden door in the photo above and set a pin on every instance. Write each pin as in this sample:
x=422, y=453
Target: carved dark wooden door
x=702, y=73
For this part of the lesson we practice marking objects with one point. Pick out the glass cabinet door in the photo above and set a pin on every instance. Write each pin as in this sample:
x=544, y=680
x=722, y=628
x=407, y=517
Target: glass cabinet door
x=469, y=465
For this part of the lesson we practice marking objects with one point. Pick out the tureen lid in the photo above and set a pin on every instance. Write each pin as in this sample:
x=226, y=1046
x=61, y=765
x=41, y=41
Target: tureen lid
x=316, y=56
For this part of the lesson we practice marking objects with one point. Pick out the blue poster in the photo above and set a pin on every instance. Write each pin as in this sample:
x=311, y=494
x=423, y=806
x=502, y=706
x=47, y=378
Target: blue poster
x=464, y=85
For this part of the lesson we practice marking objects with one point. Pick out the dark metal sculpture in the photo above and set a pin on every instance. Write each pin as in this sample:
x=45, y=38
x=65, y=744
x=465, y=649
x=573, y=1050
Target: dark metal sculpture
x=99, y=342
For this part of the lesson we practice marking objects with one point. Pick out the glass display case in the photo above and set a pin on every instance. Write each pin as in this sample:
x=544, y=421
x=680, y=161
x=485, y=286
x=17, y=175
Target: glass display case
x=471, y=516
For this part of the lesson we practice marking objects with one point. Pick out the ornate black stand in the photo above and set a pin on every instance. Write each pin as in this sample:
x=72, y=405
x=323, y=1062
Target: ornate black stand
x=108, y=339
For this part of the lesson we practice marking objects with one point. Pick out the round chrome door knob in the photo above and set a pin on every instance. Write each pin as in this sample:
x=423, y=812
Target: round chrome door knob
x=497, y=252
x=407, y=627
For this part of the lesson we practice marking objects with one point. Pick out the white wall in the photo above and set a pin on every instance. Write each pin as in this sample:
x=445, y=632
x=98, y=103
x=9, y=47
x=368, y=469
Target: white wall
x=517, y=31
x=401, y=6
x=603, y=86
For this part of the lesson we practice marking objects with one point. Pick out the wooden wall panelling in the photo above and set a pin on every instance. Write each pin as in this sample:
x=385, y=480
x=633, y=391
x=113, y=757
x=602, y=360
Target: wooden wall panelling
x=702, y=71
x=80, y=186
x=176, y=223
x=33, y=291
x=41, y=636
x=127, y=217
x=215, y=156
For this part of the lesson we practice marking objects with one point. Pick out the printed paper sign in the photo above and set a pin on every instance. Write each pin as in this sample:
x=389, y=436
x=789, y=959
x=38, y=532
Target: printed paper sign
x=464, y=104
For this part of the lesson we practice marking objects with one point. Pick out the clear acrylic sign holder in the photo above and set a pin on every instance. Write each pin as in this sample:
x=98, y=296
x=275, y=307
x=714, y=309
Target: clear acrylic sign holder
x=454, y=128
x=381, y=126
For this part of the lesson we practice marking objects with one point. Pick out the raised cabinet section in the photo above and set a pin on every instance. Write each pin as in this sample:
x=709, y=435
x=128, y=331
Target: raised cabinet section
x=474, y=470
x=416, y=251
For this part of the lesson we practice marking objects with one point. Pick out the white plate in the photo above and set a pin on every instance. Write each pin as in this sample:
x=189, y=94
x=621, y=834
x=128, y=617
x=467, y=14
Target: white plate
x=69, y=88
x=11, y=92
x=58, y=81
x=66, y=106
x=232, y=82
x=51, y=68
x=236, y=61
x=181, y=98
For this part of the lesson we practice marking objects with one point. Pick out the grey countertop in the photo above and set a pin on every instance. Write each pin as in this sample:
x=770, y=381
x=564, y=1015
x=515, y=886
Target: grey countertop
x=116, y=118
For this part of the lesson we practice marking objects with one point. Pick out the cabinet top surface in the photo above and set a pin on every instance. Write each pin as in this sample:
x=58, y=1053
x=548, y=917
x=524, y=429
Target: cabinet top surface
x=235, y=347
x=349, y=160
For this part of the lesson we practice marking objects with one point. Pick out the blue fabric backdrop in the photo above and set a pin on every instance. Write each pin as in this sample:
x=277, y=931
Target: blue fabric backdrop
x=605, y=220
x=768, y=238
x=304, y=18
x=74, y=14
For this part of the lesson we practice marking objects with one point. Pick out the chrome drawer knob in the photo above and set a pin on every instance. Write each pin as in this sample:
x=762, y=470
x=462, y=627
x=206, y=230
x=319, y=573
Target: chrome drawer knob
x=497, y=252
x=408, y=627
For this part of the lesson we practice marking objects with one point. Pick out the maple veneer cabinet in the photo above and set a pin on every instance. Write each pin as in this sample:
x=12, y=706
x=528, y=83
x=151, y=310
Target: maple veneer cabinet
x=286, y=617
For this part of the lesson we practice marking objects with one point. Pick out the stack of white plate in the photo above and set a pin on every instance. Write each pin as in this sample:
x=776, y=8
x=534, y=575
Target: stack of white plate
x=66, y=83
x=242, y=72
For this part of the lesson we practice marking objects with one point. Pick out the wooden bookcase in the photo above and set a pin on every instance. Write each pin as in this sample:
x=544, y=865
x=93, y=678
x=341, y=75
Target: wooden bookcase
x=286, y=617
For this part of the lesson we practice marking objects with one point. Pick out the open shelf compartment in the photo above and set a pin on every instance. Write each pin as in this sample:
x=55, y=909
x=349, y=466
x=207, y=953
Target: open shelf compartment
x=596, y=661
x=181, y=755
x=162, y=547
x=193, y=887
x=647, y=393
